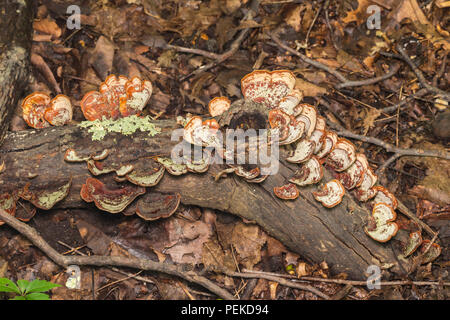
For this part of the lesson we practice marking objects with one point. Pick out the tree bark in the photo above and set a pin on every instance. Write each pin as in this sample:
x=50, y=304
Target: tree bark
x=16, y=21
x=36, y=158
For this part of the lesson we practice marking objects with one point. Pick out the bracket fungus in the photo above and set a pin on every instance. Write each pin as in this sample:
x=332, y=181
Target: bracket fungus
x=8, y=203
x=40, y=111
x=353, y=176
x=287, y=192
x=117, y=97
x=381, y=226
x=109, y=199
x=45, y=199
x=331, y=194
x=414, y=241
x=311, y=172
x=433, y=252
x=155, y=205
x=343, y=155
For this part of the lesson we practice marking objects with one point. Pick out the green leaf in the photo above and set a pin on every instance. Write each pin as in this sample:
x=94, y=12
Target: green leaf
x=41, y=286
x=18, y=298
x=7, y=285
x=23, y=285
x=37, y=296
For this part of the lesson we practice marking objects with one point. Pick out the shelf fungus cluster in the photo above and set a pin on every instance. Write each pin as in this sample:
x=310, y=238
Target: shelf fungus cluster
x=272, y=101
x=40, y=111
x=125, y=190
x=23, y=203
x=117, y=97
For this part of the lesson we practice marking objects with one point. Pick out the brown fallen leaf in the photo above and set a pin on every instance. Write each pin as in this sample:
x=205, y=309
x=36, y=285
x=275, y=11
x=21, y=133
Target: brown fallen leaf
x=47, y=26
x=38, y=62
x=309, y=89
x=102, y=57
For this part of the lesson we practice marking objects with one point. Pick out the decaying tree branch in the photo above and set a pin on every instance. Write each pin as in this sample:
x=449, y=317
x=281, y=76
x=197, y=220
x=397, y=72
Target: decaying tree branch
x=35, y=158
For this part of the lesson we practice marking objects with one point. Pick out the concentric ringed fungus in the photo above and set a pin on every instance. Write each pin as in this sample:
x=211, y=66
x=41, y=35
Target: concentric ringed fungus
x=331, y=194
x=40, y=111
x=106, y=199
x=287, y=192
x=381, y=226
x=154, y=205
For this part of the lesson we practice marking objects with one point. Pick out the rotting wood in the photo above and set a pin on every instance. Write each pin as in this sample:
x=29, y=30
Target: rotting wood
x=319, y=234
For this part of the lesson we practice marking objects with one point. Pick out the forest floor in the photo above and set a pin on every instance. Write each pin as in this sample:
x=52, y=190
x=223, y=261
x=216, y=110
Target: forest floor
x=193, y=51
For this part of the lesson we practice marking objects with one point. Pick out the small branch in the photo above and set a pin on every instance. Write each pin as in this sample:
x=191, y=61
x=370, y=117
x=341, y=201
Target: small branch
x=420, y=75
x=393, y=70
x=351, y=282
x=314, y=63
x=391, y=148
x=280, y=280
x=142, y=264
x=418, y=94
x=219, y=58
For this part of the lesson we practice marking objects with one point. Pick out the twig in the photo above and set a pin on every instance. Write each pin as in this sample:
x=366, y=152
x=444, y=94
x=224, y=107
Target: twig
x=280, y=280
x=420, y=75
x=95, y=260
x=312, y=25
x=418, y=94
x=351, y=282
x=327, y=20
x=391, y=148
x=393, y=70
x=219, y=58
x=314, y=63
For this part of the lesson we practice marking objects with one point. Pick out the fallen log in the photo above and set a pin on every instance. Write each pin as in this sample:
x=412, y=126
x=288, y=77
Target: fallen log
x=34, y=159
x=16, y=20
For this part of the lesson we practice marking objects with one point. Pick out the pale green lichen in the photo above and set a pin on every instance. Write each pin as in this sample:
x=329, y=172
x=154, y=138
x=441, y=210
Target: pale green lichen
x=125, y=126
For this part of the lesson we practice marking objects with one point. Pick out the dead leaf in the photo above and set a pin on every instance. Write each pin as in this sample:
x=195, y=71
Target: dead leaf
x=47, y=26
x=294, y=19
x=248, y=241
x=102, y=57
x=309, y=89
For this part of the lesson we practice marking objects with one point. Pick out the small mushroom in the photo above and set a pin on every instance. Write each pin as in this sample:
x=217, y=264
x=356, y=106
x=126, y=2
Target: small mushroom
x=267, y=87
x=353, y=176
x=218, y=106
x=382, y=228
x=311, y=172
x=384, y=196
x=287, y=192
x=106, y=199
x=343, y=155
x=414, y=241
x=155, y=205
x=331, y=194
